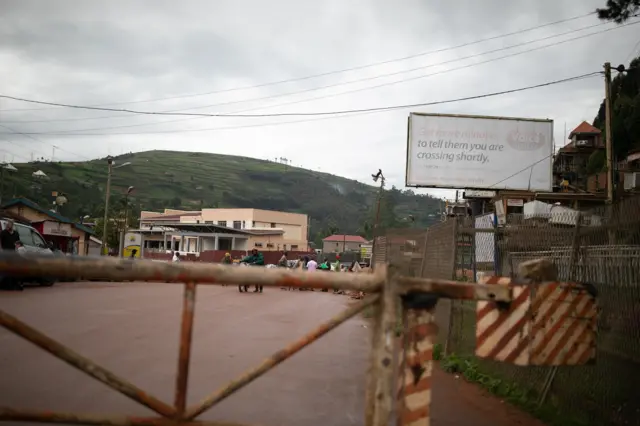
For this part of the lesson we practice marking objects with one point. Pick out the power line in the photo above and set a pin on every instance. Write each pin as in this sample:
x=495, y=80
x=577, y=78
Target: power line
x=71, y=132
x=633, y=51
x=355, y=68
x=42, y=142
x=177, y=112
x=14, y=154
x=522, y=170
x=343, y=113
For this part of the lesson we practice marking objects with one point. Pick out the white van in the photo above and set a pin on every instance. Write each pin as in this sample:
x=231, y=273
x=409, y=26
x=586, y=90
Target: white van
x=33, y=243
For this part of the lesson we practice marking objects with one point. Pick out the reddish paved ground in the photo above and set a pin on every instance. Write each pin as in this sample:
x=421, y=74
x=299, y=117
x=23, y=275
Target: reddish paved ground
x=132, y=329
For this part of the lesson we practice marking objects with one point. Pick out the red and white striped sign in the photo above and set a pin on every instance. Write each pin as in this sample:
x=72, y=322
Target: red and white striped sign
x=416, y=366
x=545, y=324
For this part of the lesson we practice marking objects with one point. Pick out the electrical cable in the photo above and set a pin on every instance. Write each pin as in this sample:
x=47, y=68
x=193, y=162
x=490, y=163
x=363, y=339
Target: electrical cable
x=15, y=132
x=71, y=132
x=522, y=170
x=355, y=68
x=178, y=112
x=351, y=113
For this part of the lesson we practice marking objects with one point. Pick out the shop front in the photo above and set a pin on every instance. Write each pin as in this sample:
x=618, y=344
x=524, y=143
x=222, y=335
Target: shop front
x=60, y=235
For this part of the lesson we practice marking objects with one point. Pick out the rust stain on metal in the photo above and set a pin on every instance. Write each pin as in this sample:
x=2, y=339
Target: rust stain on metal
x=197, y=272
x=186, y=333
x=275, y=359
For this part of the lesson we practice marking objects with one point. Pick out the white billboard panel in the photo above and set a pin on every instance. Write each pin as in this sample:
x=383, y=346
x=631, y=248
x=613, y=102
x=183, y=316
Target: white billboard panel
x=456, y=151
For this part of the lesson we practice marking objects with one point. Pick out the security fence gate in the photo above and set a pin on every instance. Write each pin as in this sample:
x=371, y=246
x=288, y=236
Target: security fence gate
x=516, y=323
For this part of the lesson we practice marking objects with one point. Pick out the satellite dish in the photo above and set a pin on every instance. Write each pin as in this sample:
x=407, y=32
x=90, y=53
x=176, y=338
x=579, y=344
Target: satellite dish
x=61, y=200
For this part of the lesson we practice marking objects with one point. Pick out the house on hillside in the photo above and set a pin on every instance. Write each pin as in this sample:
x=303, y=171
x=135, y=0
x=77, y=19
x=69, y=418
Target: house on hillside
x=66, y=235
x=570, y=163
x=342, y=243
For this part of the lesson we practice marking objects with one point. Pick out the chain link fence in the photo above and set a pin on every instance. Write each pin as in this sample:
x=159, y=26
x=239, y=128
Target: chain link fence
x=600, y=247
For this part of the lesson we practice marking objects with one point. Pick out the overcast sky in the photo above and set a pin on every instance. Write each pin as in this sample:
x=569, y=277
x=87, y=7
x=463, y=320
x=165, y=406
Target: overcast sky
x=118, y=52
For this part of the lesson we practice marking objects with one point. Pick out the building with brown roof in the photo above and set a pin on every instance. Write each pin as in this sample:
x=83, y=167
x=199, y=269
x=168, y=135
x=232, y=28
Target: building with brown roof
x=570, y=162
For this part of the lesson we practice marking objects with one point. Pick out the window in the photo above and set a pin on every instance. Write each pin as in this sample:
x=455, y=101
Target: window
x=253, y=224
x=222, y=223
x=269, y=245
x=237, y=224
x=37, y=239
x=273, y=224
x=258, y=244
x=243, y=224
x=25, y=235
x=294, y=247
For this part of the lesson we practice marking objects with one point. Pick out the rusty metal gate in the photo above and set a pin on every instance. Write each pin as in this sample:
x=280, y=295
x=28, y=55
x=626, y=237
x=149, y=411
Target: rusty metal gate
x=509, y=329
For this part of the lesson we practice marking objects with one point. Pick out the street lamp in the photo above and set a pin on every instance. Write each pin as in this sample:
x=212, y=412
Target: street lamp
x=378, y=176
x=111, y=166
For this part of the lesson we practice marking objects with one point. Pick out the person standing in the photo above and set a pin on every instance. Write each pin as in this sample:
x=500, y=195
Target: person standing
x=283, y=262
x=9, y=238
x=255, y=259
x=312, y=265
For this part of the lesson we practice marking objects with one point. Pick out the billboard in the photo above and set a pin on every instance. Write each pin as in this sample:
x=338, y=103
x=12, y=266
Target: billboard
x=474, y=152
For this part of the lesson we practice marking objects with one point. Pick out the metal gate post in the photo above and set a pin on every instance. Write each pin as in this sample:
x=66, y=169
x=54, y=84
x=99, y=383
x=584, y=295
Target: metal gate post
x=416, y=359
x=380, y=394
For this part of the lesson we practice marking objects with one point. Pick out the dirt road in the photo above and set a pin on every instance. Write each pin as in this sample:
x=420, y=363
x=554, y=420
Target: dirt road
x=132, y=329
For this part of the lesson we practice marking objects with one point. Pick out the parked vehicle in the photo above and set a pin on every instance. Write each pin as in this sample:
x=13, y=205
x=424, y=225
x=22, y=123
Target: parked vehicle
x=33, y=243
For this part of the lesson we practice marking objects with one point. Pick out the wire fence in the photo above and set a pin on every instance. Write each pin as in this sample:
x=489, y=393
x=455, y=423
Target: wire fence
x=600, y=247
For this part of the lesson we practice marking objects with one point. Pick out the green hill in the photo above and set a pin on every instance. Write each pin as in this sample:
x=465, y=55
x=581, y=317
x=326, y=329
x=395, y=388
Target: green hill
x=190, y=180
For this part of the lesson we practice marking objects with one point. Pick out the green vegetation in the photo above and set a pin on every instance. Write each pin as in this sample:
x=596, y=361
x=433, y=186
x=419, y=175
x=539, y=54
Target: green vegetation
x=619, y=10
x=625, y=117
x=524, y=398
x=191, y=181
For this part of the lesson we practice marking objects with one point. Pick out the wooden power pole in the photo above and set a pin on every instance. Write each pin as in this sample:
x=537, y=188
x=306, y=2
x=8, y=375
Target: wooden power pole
x=607, y=131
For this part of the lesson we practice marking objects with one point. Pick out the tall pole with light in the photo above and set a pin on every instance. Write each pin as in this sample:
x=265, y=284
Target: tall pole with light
x=377, y=177
x=111, y=167
x=106, y=205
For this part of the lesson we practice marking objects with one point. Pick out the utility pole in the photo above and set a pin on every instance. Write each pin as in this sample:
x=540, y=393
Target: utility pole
x=609, y=142
x=376, y=177
x=106, y=205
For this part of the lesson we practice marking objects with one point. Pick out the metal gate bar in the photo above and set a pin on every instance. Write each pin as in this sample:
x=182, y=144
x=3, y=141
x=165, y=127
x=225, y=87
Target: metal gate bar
x=24, y=415
x=419, y=299
x=278, y=357
x=184, y=357
x=83, y=364
x=114, y=269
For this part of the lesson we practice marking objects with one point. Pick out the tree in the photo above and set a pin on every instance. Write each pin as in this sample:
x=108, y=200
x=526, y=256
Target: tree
x=619, y=11
x=625, y=111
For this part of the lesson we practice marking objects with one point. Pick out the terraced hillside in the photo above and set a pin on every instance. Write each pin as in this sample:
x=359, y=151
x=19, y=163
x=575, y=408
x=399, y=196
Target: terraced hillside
x=194, y=180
